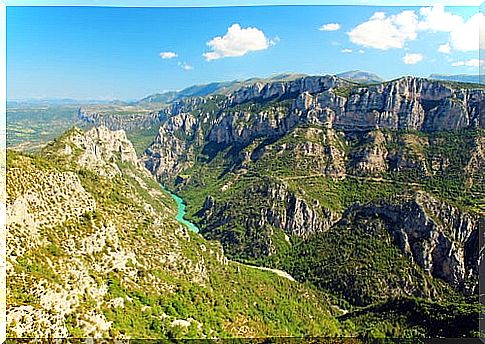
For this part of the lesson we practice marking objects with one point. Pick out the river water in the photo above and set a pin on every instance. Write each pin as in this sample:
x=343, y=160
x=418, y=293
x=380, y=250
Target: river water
x=181, y=211
x=180, y=218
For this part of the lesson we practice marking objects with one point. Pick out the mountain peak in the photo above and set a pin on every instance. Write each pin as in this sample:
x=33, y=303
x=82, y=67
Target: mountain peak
x=361, y=77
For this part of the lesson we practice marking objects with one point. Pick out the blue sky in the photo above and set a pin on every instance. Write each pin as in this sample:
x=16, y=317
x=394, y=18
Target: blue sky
x=116, y=53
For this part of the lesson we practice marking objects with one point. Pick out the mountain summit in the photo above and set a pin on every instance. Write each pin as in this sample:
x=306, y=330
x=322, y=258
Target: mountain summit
x=361, y=77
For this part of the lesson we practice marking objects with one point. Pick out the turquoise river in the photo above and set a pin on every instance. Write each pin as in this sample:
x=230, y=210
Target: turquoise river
x=181, y=211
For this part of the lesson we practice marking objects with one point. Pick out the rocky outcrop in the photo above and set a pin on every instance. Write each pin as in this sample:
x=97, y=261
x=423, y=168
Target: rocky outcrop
x=171, y=151
x=284, y=90
x=378, y=152
x=100, y=147
x=291, y=213
x=285, y=211
x=371, y=156
x=437, y=236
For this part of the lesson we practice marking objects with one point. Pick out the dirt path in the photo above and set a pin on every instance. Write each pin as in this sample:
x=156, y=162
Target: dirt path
x=280, y=273
x=373, y=179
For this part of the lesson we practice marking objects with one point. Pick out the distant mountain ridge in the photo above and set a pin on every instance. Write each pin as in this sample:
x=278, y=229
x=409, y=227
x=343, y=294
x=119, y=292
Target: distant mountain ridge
x=223, y=87
x=226, y=87
x=361, y=77
x=468, y=78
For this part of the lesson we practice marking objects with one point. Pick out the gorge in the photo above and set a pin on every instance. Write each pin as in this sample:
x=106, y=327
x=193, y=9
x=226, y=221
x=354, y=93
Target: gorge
x=314, y=205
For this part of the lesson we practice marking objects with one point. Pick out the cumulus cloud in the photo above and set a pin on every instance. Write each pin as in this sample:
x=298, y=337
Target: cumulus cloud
x=412, y=58
x=466, y=37
x=185, y=66
x=330, y=27
x=237, y=42
x=167, y=55
x=467, y=63
x=464, y=34
x=346, y=50
x=385, y=32
x=445, y=48
x=437, y=19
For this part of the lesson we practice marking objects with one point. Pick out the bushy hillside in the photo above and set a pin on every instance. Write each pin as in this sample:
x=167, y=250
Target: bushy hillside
x=94, y=250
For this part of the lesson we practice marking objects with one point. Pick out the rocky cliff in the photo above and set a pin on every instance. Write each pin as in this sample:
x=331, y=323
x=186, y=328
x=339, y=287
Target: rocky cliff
x=274, y=109
x=440, y=238
x=279, y=214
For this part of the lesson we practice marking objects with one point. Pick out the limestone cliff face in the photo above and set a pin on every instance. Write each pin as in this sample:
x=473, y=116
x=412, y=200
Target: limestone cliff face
x=283, y=210
x=171, y=151
x=406, y=103
x=285, y=89
x=437, y=236
x=377, y=152
x=371, y=157
x=274, y=109
x=297, y=217
x=100, y=149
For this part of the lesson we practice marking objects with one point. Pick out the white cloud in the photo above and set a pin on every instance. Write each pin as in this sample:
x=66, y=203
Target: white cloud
x=445, y=48
x=237, y=42
x=330, y=27
x=467, y=63
x=464, y=35
x=437, y=19
x=361, y=51
x=467, y=36
x=386, y=32
x=346, y=50
x=412, y=58
x=168, y=55
x=185, y=66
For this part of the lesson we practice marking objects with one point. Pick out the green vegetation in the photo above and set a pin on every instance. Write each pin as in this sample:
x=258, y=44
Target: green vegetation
x=343, y=91
x=355, y=260
x=339, y=194
x=142, y=138
x=250, y=302
x=414, y=317
x=368, y=268
x=197, y=287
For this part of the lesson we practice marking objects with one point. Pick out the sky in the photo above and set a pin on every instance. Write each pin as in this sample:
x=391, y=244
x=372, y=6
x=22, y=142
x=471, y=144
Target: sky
x=128, y=53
